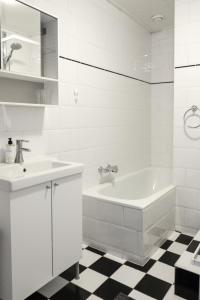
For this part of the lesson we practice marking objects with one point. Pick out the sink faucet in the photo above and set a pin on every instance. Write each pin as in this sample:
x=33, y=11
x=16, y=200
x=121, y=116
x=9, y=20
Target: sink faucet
x=19, y=149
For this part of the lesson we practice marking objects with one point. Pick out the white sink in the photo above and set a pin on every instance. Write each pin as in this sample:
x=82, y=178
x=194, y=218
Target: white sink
x=19, y=176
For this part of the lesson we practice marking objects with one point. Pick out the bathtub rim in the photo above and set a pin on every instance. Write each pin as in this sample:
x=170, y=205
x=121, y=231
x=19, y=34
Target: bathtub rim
x=140, y=204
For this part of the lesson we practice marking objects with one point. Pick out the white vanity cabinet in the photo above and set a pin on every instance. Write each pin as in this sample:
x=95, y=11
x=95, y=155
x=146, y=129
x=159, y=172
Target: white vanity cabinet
x=40, y=235
x=67, y=222
x=31, y=241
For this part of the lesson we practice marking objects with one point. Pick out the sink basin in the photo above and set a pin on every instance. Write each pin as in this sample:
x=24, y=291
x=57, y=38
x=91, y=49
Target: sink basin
x=18, y=176
x=26, y=169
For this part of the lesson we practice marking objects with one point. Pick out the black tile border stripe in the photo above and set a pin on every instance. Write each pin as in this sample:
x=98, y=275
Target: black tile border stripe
x=112, y=72
x=187, y=66
x=102, y=69
x=162, y=82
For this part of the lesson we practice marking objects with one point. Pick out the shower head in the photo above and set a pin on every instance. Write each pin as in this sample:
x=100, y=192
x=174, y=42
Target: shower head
x=15, y=46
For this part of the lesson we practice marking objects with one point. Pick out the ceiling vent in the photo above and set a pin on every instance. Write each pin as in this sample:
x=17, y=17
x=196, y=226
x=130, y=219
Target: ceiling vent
x=157, y=18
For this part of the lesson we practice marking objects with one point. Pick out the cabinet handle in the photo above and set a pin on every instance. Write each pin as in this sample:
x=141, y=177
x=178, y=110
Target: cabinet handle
x=56, y=184
x=48, y=187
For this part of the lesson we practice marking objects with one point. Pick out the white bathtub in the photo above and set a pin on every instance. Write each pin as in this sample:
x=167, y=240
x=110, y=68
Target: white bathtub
x=131, y=217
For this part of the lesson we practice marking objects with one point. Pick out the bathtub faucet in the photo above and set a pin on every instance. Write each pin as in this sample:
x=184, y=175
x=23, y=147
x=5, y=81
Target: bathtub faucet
x=108, y=169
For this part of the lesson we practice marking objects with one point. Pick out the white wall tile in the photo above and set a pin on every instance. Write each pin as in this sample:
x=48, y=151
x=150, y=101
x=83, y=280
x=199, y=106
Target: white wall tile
x=162, y=96
x=187, y=32
x=162, y=51
x=179, y=176
x=103, y=211
x=155, y=212
x=133, y=219
x=188, y=198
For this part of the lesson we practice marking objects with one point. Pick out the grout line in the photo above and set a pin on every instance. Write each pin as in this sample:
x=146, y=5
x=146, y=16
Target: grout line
x=112, y=72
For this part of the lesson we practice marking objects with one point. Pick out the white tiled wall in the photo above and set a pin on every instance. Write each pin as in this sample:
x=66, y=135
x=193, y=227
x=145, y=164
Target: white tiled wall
x=163, y=56
x=162, y=98
x=102, y=126
x=187, y=33
x=99, y=34
x=187, y=93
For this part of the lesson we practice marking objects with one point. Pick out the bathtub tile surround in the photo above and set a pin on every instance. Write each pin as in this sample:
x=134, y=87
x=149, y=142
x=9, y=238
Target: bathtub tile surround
x=187, y=93
x=131, y=218
x=105, y=278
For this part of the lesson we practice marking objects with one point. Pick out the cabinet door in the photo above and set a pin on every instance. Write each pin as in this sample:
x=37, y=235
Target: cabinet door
x=67, y=222
x=31, y=239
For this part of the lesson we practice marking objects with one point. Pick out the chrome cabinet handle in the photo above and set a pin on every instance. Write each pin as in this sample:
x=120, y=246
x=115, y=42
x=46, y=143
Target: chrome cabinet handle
x=56, y=184
x=48, y=187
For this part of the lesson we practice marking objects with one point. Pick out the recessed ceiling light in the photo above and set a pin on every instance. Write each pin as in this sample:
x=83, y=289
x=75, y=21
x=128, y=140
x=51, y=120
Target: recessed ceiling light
x=157, y=18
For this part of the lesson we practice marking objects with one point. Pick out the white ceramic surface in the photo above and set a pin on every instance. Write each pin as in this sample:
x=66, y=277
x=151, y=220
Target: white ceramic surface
x=18, y=176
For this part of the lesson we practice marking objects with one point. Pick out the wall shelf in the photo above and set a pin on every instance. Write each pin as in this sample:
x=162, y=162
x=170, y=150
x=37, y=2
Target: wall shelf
x=25, y=77
x=27, y=104
x=22, y=104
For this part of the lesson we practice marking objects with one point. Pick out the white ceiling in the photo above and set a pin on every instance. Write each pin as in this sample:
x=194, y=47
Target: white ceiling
x=142, y=11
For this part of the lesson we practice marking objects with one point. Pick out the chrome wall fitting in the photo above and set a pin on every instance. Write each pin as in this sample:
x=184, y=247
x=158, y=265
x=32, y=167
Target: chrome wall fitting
x=195, y=112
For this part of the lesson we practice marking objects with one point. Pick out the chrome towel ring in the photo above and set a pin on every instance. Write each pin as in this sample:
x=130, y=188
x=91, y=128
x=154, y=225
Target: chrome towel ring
x=194, y=109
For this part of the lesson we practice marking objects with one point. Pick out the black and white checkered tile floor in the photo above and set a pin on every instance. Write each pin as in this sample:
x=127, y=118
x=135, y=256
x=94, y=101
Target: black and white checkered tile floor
x=103, y=276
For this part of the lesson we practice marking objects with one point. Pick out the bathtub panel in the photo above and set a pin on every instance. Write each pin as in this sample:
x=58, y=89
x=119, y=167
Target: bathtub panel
x=118, y=237
x=109, y=213
x=89, y=206
x=159, y=209
x=133, y=218
x=129, y=240
x=103, y=211
x=158, y=233
x=89, y=228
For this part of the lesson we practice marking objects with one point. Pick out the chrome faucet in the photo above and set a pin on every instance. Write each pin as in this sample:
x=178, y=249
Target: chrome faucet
x=19, y=149
x=108, y=169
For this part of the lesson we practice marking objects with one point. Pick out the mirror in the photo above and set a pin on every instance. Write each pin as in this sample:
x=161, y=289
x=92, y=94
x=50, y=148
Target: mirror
x=20, y=45
x=49, y=46
x=31, y=48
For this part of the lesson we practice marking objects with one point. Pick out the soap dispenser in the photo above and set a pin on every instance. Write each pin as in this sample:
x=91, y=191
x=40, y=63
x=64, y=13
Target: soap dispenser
x=10, y=152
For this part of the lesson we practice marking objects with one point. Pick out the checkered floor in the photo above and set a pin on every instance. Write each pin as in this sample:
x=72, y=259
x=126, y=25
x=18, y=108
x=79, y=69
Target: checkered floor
x=103, y=276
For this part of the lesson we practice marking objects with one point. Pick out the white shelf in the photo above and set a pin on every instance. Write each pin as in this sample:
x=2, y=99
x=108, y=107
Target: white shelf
x=27, y=104
x=18, y=76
